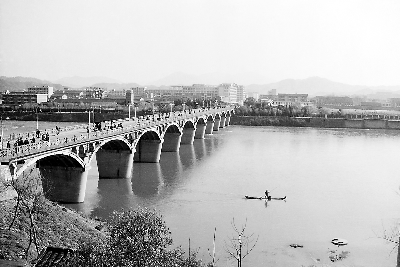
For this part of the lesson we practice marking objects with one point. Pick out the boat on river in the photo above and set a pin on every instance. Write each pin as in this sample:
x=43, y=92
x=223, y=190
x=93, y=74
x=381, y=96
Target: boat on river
x=266, y=198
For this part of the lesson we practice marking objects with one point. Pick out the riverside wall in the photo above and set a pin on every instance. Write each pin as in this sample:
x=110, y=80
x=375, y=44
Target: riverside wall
x=316, y=122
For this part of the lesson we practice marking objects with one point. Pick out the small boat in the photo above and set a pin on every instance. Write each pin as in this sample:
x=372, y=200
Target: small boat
x=339, y=242
x=269, y=198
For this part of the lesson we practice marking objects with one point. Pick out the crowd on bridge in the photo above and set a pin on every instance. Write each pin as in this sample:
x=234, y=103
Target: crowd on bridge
x=26, y=141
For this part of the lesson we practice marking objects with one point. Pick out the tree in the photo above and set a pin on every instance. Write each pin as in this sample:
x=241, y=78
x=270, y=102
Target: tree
x=250, y=101
x=29, y=205
x=241, y=246
x=135, y=238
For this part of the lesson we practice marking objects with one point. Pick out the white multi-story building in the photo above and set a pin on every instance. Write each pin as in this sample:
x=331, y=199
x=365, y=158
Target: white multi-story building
x=45, y=89
x=241, y=94
x=228, y=92
x=200, y=91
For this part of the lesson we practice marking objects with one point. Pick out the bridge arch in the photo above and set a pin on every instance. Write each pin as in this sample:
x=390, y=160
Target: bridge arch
x=188, y=132
x=172, y=138
x=64, y=176
x=201, y=124
x=217, y=121
x=114, y=158
x=148, y=147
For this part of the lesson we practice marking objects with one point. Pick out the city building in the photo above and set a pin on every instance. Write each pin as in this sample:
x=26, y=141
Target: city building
x=68, y=94
x=20, y=98
x=129, y=97
x=334, y=101
x=200, y=91
x=241, y=94
x=115, y=94
x=94, y=93
x=45, y=89
x=228, y=92
x=300, y=100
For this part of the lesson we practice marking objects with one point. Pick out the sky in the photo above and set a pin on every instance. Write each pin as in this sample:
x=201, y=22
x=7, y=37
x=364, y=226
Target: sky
x=258, y=41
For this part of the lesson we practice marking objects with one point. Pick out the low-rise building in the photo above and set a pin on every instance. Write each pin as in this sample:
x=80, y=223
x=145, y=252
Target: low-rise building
x=115, y=94
x=20, y=98
x=68, y=94
x=293, y=100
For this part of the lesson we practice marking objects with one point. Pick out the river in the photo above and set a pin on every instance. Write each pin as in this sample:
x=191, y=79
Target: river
x=339, y=183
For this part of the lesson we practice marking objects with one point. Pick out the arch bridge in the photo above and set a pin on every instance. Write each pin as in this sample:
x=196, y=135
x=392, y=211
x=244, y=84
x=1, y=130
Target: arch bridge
x=63, y=160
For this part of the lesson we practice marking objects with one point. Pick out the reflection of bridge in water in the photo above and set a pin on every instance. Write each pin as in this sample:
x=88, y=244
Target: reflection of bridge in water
x=64, y=159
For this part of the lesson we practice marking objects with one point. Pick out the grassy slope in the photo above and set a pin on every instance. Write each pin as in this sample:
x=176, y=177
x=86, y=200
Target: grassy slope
x=57, y=226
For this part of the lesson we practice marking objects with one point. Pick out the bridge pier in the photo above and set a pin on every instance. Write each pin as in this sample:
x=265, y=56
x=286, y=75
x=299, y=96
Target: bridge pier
x=216, y=124
x=222, y=123
x=200, y=131
x=148, y=151
x=114, y=163
x=188, y=136
x=172, y=142
x=209, y=127
x=64, y=184
x=228, y=120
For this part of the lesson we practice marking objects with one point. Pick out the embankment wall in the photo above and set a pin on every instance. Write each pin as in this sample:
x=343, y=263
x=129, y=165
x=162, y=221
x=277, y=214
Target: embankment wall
x=316, y=122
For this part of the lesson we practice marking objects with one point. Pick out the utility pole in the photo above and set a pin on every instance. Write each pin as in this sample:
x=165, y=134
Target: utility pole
x=2, y=135
x=88, y=129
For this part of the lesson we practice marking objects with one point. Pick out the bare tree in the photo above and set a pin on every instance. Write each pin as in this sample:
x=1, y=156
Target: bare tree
x=30, y=198
x=238, y=248
x=392, y=235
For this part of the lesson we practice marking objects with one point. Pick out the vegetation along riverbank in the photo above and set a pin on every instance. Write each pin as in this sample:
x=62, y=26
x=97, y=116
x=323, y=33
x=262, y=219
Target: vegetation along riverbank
x=29, y=223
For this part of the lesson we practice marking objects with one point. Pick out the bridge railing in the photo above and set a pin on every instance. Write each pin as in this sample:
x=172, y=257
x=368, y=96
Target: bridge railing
x=141, y=124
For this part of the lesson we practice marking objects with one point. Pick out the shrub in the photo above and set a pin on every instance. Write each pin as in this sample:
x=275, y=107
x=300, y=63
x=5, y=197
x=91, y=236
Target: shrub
x=135, y=238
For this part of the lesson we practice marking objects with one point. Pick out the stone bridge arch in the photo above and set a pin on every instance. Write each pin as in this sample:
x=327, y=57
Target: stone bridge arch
x=172, y=137
x=188, y=132
x=114, y=158
x=64, y=176
x=148, y=146
x=201, y=124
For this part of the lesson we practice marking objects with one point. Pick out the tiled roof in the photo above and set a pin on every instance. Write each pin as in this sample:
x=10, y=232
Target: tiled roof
x=55, y=257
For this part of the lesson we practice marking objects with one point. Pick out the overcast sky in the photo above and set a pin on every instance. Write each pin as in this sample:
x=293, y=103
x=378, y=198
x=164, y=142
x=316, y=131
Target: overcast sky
x=355, y=42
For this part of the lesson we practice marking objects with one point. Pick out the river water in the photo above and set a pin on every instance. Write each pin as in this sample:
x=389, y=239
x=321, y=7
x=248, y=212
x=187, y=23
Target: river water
x=339, y=183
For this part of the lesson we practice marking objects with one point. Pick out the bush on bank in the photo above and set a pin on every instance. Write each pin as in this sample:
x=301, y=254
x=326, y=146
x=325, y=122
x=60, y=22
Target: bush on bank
x=266, y=121
x=135, y=238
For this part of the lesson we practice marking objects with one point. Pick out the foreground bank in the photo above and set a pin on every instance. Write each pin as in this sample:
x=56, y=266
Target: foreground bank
x=31, y=224
x=318, y=122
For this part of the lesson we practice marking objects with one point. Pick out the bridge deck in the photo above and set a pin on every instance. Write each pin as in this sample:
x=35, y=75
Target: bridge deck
x=64, y=138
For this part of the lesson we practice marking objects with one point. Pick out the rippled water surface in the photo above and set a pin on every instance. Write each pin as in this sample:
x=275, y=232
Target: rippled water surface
x=339, y=183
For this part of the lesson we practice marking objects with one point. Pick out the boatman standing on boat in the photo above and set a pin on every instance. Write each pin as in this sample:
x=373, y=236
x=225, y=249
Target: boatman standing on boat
x=267, y=195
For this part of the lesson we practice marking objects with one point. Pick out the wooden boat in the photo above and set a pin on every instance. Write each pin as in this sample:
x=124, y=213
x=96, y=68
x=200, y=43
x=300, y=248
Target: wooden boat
x=339, y=242
x=269, y=198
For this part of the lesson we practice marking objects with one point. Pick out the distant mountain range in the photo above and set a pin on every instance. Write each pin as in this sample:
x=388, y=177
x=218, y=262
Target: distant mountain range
x=21, y=83
x=313, y=86
x=78, y=82
x=214, y=78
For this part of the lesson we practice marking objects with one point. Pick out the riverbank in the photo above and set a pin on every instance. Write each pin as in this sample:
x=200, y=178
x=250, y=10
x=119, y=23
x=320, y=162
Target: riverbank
x=56, y=226
x=316, y=122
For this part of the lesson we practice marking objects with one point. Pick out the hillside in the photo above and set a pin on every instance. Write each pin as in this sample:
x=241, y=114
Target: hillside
x=78, y=82
x=21, y=83
x=320, y=86
x=116, y=86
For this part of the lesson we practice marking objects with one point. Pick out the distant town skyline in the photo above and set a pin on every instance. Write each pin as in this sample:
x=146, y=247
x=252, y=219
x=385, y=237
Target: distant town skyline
x=354, y=42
